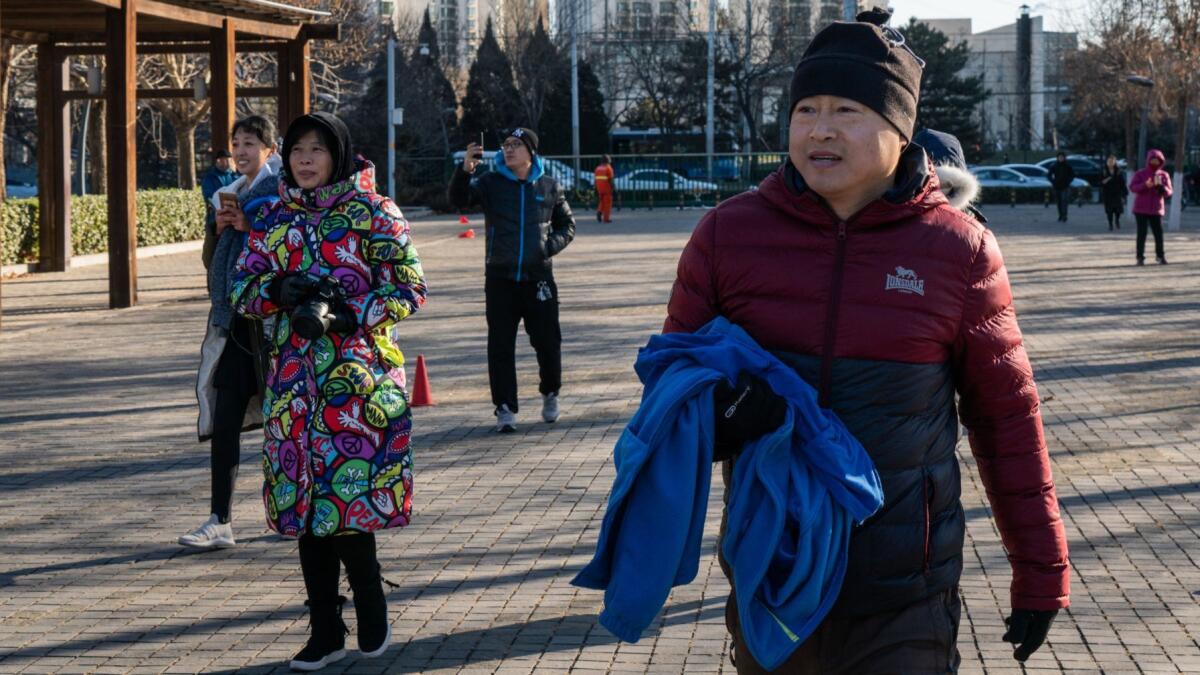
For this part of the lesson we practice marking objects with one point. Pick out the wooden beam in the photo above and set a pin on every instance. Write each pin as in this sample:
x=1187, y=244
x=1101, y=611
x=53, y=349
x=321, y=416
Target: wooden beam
x=199, y=17
x=144, y=47
x=323, y=31
x=121, y=109
x=222, y=90
x=242, y=92
x=299, y=78
x=54, y=162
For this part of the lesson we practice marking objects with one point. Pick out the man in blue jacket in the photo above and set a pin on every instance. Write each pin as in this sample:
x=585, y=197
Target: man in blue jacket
x=218, y=176
x=527, y=221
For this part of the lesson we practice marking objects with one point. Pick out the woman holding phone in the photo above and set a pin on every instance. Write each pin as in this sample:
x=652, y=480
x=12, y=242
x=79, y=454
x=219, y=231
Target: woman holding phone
x=334, y=264
x=231, y=370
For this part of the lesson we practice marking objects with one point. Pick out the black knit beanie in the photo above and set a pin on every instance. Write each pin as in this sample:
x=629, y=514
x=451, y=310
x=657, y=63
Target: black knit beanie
x=527, y=137
x=864, y=62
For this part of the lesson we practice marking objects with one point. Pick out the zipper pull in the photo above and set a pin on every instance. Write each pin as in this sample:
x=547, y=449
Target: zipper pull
x=841, y=230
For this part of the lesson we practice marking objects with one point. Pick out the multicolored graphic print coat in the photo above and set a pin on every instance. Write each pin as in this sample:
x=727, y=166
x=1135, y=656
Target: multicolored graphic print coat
x=336, y=457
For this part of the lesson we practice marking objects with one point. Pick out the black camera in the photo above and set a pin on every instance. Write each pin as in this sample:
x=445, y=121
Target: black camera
x=311, y=319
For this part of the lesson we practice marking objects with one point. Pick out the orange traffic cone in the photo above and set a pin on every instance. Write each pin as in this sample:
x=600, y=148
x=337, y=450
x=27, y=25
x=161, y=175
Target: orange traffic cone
x=462, y=220
x=421, y=395
x=469, y=233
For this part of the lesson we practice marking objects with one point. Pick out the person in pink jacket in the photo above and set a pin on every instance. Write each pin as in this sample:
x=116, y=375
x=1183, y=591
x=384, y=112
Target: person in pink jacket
x=1151, y=187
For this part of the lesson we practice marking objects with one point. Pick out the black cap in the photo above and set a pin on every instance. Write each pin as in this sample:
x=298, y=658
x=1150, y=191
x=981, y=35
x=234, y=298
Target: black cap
x=221, y=154
x=942, y=148
x=866, y=62
x=527, y=137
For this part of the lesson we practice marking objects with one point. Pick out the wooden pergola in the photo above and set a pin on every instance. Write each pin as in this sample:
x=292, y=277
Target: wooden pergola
x=120, y=30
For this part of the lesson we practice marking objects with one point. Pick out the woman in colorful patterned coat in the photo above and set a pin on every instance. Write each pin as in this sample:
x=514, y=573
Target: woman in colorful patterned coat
x=336, y=457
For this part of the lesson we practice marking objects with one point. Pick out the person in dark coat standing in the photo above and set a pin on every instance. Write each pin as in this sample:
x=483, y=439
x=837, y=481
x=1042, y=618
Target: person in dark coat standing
x=218, y=176
x=1113, y=192
x=527, y=221
x=849, y=265
x=1061, y=175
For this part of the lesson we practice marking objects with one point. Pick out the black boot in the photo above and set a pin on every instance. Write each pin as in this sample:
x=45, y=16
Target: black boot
x=327, y=643
x=370, y=609
x=358, y=555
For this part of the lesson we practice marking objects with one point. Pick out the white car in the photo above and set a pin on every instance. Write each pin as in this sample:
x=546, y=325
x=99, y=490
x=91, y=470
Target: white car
x=1035, y=171
x=660, y=180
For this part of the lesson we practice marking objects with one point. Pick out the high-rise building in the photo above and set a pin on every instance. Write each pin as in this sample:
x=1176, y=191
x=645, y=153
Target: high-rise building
x=460, y=24
x=1017, y=110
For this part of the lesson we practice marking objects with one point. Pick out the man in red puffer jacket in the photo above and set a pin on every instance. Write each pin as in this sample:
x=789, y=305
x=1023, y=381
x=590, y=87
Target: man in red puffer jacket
x=849, y=265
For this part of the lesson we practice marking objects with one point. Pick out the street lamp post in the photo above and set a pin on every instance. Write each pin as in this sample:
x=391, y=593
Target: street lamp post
x=1148, y=85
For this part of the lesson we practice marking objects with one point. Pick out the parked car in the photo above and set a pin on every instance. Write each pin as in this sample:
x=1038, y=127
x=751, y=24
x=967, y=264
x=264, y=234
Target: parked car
x=561, y=171
x=1084, y=167
x=660, y=180
x=724, y=168
x=18, y=190
x=1035, y=171
x=1004, y=177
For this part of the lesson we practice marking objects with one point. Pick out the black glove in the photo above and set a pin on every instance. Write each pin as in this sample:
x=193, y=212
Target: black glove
x=1027, y=629
x=344, y=320
x=289, y=290
x=745, y=412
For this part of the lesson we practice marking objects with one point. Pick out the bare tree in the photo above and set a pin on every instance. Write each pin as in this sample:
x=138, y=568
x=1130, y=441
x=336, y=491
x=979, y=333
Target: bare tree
x=17, y=67
x=178, y=71
x=757, y=58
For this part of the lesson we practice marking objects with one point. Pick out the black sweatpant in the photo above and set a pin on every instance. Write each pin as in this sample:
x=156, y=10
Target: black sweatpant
x=1154, y=223
x=508, y=302
x=236, y=383
x=1064, y=201
x=321, y=560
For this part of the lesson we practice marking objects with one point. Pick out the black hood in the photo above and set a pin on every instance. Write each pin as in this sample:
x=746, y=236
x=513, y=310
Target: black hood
x=336, y=137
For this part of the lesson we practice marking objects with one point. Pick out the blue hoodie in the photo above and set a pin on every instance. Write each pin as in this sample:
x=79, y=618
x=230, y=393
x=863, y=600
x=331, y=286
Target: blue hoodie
x=794, y=497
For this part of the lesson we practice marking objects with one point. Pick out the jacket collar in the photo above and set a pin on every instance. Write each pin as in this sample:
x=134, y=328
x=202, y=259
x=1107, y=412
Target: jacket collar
x=361, y=182
x=535, y=172
x=916, y=191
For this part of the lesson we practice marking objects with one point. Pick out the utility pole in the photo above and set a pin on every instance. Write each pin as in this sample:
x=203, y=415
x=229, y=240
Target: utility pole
x=391, y=113
x=708, y=124
x=575, y=88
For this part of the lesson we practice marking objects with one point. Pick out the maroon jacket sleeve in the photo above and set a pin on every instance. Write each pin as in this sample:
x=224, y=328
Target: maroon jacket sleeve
x=693, y=301
x=999, y=407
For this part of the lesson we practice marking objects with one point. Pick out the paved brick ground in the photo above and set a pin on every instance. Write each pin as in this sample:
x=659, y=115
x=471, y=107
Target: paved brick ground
x=100, y=472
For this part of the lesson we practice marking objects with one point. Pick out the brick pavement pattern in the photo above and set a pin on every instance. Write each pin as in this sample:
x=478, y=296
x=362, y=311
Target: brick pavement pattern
x=100, y=471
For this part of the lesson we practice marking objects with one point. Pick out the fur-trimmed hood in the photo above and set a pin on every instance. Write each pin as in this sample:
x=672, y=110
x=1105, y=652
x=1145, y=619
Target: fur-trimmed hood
x=960, y=186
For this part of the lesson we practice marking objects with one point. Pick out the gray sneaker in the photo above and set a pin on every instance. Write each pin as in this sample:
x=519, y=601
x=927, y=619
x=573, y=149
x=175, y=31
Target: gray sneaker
x=506, y=420
x=212, y=534
x=550, y=408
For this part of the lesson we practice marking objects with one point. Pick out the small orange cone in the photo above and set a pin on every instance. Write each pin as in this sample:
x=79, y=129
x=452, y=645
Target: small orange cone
x=462, y=220
x=469, y=233
x=421, y=395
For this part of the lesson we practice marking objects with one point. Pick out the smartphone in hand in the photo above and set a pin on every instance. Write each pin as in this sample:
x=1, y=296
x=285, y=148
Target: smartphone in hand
x=479, y=154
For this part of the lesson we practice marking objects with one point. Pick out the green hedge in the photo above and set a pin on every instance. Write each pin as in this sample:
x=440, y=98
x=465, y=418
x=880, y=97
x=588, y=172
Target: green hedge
x=164, y=217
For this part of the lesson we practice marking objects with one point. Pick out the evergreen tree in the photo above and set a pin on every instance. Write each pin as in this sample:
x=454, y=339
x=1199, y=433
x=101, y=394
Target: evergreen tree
x=368, y=115
x=948, y=101
x=555, y=125
x=535, y=65
x=428, y=99
x=491, y=105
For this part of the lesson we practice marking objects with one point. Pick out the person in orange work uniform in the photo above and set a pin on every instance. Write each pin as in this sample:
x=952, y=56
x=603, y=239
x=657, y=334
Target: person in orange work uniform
x=605, y=189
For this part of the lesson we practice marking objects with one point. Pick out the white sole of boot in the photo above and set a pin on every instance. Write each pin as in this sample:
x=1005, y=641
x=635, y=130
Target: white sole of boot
x=387, y=640
x=309, y=666
x=211, y=543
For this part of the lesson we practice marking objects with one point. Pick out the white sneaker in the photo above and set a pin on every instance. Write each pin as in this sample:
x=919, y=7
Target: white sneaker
x=212, y=534
x=506, y=420
x=550, y=408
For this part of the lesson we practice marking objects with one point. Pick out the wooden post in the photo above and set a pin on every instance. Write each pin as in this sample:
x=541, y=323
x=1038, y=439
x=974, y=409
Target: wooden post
x=222, y=58
x=54, y=162
x=121, y=76
x=284, y=87
x=299, y=54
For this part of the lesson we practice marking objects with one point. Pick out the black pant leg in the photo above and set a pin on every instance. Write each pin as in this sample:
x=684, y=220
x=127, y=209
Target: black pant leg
x=228, y=415
x=319, y=563
x=1064, y=198
x=503, y=310
x=1143, y=222
x=540, y=309
x=1156, y=226
x=359, y=555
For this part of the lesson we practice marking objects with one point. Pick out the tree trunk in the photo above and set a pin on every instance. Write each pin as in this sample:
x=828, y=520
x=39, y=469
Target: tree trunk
x=1131, y=138
x=6, y=52
x=185, y=146
x=97, y=151
x=1181, y=124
